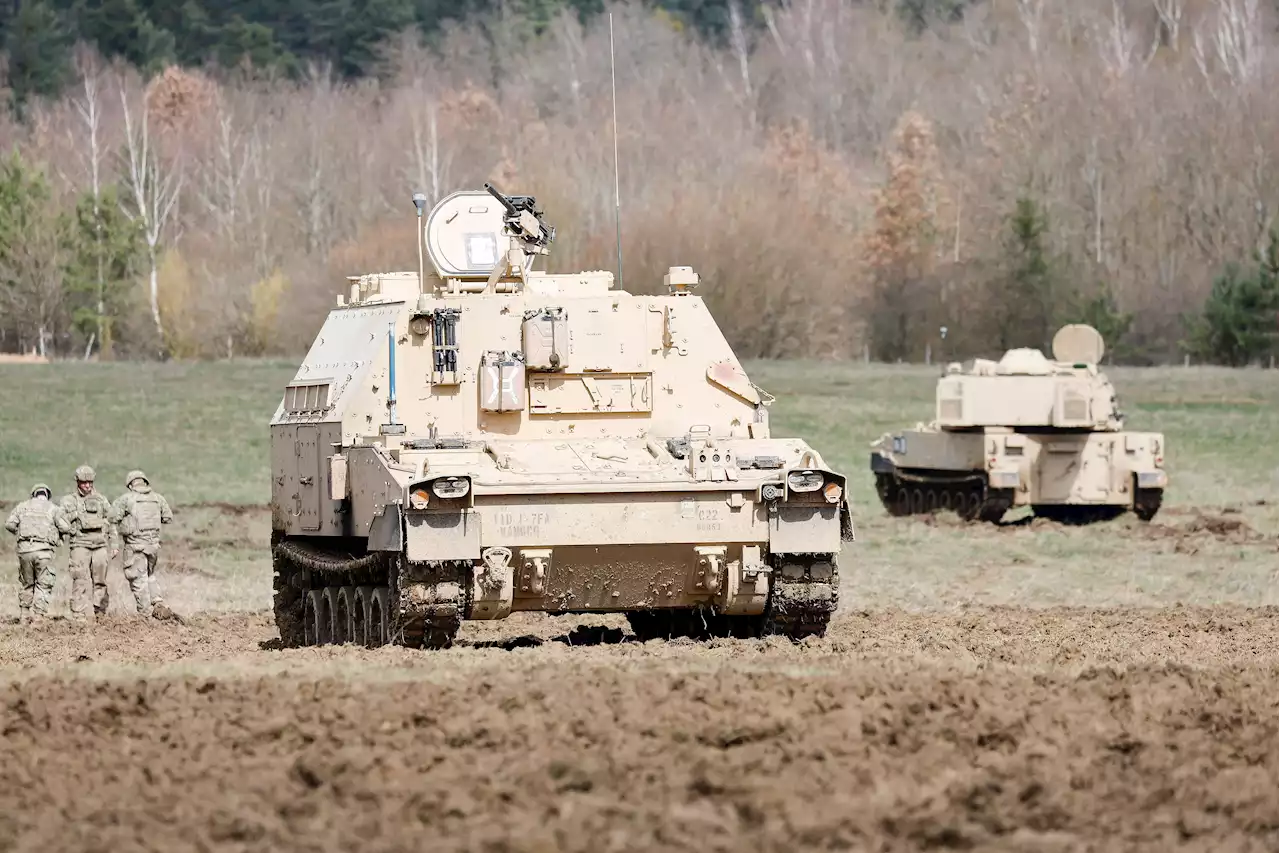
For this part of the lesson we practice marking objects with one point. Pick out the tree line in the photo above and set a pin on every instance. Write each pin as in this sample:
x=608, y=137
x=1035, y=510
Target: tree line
x=848, y=177
x=268, y=38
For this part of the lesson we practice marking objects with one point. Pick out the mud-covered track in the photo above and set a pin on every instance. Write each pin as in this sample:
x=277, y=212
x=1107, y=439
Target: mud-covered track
x=324, y=597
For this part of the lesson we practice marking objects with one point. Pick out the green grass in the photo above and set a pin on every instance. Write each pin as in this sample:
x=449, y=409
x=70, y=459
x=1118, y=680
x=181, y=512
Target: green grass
x=200, y=431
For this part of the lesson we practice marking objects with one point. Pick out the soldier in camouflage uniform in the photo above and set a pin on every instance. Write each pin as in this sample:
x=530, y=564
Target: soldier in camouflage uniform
x=38, y=524
x=138, y=514
x=88, y=514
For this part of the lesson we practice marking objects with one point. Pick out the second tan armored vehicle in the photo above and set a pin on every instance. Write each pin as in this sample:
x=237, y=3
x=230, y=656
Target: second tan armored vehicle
x=495, y=439
x=1025, y=430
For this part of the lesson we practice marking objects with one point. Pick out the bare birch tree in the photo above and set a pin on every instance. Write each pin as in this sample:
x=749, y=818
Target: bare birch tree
x=1232, y=41
x=152, y=194
x=89, y=108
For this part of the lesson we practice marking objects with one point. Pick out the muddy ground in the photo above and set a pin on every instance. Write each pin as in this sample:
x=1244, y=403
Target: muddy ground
x=992, y=729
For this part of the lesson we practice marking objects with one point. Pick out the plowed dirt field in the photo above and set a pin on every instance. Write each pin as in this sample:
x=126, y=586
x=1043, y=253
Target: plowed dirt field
x=990, y=728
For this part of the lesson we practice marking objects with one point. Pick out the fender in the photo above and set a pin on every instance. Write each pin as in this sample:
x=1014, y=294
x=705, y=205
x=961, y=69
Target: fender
x=846, y=523
x=805, y=523
x=386, y=533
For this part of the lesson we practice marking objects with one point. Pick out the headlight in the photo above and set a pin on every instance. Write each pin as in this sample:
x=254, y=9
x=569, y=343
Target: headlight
x=804, y=481
x=420, y=325
x=770, y=492
x=419, y=499
x=448, y=488
x=832, y=493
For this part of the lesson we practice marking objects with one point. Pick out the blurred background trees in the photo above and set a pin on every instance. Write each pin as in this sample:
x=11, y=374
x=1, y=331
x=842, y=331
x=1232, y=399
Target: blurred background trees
x=193, y=179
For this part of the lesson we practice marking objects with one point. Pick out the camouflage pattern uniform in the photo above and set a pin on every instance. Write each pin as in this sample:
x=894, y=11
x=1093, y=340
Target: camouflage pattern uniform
x=88, y=514
x=138, y=514
x=38, y=524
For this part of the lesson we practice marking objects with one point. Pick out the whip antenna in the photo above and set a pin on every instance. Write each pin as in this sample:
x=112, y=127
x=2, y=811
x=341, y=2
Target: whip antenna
x=617, y=185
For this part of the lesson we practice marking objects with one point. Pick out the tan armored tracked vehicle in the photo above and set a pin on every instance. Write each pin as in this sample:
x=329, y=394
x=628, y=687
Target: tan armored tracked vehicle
x=1025, y=430
x=497, y=439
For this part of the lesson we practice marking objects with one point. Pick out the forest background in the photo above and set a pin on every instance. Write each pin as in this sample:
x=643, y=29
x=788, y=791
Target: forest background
x=193, y=179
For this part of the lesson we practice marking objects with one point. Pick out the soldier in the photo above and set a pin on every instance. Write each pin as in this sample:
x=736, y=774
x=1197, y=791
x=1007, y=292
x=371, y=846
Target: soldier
x=138, y=514
x=38, y=524
x=88, y=515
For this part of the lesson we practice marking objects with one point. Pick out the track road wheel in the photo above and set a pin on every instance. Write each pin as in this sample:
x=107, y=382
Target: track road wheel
x=376, y=632
x=892, y=495
x=312, y=602
x=344, y=615
x=360, y=604
x=1146, y=503
x=970, y=504
x=996, y=503
x=333, y=622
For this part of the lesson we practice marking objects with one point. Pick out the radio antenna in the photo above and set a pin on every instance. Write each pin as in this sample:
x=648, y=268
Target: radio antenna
x=617, y=184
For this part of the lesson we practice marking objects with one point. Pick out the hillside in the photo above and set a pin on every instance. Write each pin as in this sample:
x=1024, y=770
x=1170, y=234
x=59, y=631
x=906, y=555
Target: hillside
x=194, y=181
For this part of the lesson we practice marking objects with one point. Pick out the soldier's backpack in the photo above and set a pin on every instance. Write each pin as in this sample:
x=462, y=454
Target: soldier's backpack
x=93, y=514
x=146, y=512
x=35, y=523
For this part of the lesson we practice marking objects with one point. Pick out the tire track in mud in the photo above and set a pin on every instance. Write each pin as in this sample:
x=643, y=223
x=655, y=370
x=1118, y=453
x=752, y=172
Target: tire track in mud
x=1004, y=728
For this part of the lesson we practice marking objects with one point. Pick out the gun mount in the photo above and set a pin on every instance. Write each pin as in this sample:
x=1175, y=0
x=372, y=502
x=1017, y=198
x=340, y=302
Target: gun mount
x=524, y=219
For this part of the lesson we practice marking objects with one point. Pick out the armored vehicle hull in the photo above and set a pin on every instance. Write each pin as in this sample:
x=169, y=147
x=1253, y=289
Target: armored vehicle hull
x=981, y=474
x=472, y=448
x=1024, y=431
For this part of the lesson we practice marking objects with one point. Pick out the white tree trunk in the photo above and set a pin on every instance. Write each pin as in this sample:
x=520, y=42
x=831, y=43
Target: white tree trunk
x=155, y=290
x=154, y=192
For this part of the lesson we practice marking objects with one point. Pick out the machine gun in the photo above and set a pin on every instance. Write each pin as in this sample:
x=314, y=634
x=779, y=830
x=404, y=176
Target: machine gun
x=524, y=220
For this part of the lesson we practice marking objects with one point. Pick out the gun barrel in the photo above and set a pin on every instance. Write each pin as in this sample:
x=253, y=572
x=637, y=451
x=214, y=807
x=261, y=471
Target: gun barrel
x=506, y=202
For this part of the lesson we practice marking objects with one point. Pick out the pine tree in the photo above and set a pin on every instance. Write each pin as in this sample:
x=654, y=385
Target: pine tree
x=1238, y=323
x=350, y=33
x=32, y=252
x=122, y=28
x=107, y=257
x=240, y=43
x=38, y=45
x=1099, y=310
x=1029, y=290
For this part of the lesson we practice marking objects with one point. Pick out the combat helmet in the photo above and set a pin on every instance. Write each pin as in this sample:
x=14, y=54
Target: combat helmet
x=135, y=475
x=85, y=474
x=41, y=487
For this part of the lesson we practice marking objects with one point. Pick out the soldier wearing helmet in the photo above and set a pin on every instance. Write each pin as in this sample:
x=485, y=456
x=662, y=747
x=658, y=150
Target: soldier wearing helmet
x=138, y=514
x=39, y=525
x=88, y=514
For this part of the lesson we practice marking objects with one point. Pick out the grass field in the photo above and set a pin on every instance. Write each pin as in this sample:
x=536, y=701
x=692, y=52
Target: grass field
x=200, y=432
x=1026, y=686
x=201, y=428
